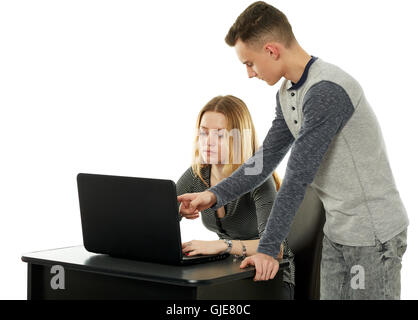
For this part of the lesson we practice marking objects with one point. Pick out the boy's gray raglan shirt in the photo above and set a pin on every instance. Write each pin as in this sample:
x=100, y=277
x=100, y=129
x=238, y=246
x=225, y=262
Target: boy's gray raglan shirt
x=337, y=149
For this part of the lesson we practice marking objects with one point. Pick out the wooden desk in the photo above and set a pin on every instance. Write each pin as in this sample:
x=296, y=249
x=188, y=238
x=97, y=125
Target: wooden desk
x=95, y=276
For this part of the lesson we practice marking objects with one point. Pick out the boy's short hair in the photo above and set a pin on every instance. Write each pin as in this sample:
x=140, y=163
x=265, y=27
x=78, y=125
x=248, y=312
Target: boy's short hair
x=260, y=23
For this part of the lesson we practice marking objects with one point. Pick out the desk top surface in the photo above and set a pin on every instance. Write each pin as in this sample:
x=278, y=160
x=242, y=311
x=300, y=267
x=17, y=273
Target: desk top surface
x=78, y=258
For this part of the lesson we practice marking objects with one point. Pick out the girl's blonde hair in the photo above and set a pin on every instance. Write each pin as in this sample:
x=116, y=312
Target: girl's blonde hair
x=239, y=121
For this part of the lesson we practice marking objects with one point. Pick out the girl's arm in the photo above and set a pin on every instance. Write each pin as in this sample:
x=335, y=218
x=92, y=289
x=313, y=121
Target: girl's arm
x=251, y=247
x=196, y=247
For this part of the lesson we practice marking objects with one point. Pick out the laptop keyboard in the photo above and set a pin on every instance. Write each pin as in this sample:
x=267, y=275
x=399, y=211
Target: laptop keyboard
x=206, y=257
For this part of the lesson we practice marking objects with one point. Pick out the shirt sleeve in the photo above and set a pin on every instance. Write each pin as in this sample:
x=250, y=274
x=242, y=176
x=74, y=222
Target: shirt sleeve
x=326, y=109
x=263, y=197
x=253, y=172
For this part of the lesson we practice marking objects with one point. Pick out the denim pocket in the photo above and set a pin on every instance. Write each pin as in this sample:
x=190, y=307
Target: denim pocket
x=402, y=243
x=392, y=250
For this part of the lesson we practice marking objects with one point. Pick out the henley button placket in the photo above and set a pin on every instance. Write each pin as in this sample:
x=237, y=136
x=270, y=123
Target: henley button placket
x=293, y=94
x=293, y=108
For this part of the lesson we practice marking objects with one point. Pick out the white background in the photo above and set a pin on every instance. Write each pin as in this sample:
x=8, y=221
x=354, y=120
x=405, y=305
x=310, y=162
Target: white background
x=114, y=87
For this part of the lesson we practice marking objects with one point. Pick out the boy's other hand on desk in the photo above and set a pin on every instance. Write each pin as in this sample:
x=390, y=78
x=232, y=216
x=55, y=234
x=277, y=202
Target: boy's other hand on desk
x=192, y=203
x=266, y=267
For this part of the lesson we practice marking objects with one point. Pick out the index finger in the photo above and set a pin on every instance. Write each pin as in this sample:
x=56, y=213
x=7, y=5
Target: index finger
x=247, y=261
x=186, y=197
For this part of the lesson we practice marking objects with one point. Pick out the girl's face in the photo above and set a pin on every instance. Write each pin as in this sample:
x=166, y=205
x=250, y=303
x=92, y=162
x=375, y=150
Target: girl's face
x=213, y=138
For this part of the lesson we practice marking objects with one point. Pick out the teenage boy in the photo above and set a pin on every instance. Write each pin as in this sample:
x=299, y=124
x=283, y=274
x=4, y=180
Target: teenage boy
x=336, y=147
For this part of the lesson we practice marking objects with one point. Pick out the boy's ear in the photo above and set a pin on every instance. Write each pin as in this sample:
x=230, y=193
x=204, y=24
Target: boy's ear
x=273, y=50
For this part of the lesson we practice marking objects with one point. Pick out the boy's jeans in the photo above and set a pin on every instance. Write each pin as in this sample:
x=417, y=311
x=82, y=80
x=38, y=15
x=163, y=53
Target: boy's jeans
x=358, y=273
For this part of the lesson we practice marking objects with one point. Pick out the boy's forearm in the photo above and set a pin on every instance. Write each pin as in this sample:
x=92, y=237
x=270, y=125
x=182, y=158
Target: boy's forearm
x=254, y=171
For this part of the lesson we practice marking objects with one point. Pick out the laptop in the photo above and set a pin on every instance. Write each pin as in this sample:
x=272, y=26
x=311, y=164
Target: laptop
x=133, y=218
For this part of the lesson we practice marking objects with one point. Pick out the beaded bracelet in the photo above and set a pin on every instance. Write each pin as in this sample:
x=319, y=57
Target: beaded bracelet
x=244, y=250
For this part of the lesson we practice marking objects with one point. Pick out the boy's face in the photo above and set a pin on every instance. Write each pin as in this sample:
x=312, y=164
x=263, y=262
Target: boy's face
x=262, y=63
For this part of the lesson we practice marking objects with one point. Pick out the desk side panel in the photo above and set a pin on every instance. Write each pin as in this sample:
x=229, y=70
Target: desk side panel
x=247, y=289
x=82, y=285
